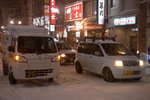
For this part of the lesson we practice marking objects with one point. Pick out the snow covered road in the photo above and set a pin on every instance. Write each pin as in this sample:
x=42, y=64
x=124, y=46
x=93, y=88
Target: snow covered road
x=72, y=86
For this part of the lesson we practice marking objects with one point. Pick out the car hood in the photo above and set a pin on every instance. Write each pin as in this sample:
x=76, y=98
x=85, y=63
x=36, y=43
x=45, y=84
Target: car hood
x=123, y=58
x=67, y=51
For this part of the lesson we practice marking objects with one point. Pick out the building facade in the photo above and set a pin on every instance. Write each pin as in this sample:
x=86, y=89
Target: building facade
x=15, y=12
x=128, y=20
x=123, y=21
x=82, y=19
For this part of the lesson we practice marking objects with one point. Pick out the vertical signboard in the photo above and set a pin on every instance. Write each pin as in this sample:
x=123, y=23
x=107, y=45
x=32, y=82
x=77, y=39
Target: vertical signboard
x=52, y=11
x=74, y=12
x=100, y=14
x=46, y=15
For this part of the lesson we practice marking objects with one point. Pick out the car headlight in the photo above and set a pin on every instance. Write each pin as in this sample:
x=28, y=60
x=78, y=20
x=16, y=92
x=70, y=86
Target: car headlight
x=141, y=63
x=118, y=63
x=63, y=55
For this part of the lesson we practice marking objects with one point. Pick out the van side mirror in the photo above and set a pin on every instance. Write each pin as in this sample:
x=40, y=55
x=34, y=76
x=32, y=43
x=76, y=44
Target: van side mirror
x=11, y=49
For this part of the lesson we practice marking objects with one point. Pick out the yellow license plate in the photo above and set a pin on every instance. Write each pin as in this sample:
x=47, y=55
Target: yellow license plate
x=30, y=75
x=128, y=73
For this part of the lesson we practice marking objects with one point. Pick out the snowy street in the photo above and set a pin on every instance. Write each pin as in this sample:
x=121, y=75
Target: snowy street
x=72, y=86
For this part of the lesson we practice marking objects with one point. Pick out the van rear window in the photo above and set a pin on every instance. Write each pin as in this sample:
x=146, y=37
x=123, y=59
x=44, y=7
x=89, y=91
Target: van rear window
x=36, y=45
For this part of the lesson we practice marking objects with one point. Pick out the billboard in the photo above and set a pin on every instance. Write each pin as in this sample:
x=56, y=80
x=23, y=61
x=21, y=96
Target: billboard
x=52, y=12
x=74, y=12
x=100, y=13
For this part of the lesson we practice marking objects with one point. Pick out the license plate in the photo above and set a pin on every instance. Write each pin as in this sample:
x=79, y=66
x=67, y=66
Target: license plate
x=30, y=74
x=128, y=73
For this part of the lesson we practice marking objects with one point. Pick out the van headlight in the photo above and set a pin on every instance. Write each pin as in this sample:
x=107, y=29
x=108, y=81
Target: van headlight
x=141, y=63
x=118, y=63
x=63, y=55
x=20, y=59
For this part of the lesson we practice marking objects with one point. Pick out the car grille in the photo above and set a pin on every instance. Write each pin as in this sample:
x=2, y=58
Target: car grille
x=71, y=56
x=131, y=63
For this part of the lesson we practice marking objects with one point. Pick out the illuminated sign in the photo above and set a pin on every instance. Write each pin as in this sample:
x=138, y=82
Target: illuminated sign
x=74, y=12
x=100, y=13
x=52, y=28
x=39, y=21
x=92, y=27
x=71, y=28
x=125, y=21
x=52, y=12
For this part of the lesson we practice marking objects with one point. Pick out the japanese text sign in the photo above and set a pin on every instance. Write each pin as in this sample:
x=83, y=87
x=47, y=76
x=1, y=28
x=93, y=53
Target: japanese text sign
x=74, y=12
x=52, y=12
x=100, y=13
x=125, y=21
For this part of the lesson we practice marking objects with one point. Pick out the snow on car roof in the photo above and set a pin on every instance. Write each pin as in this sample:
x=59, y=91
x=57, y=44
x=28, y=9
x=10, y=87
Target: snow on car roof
x=26, y=31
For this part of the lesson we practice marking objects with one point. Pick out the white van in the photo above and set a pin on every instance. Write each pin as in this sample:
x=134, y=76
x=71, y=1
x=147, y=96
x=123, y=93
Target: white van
x=28, y=53
x=108, y=58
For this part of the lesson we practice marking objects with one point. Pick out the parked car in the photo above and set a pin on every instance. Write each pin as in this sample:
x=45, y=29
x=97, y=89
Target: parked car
x=67, y=54
x=108, y=58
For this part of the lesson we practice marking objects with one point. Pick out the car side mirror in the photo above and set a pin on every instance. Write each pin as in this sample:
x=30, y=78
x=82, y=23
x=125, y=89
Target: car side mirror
x=11, y=49
x=97, y=53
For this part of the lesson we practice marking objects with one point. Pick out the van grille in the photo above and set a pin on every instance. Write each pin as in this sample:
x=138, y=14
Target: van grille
x=131, y=63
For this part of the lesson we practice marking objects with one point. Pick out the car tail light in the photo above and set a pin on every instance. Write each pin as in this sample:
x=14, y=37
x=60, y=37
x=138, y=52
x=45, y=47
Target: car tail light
x=20, y=59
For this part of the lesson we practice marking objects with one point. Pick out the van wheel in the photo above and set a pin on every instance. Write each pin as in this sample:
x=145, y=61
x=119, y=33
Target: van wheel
x=78, y=68
x=5, y=69
x=50, y=79
x=12, y=80
x=107, y=75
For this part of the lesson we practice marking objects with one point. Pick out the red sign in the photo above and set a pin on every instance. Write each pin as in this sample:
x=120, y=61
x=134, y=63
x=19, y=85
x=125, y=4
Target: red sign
x=52, y=11
x=74, y=12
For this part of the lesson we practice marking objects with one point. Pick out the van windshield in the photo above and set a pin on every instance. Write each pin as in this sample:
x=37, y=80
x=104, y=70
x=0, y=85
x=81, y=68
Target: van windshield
x=114, y=49
x=28, y=44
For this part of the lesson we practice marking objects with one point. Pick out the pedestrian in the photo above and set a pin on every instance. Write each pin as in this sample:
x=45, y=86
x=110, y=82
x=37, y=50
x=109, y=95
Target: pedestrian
x=149, y=54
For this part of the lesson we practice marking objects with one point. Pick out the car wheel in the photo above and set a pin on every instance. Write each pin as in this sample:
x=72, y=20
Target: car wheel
x=5, y=69
x=12, y=80
x=78, y=68
x=138, y=78
x=108, y=76
x=50, y=79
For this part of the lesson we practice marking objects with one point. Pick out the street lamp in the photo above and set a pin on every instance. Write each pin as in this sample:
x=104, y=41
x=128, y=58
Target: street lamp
x=11, y=22
x=19, y=22
x=2, y=27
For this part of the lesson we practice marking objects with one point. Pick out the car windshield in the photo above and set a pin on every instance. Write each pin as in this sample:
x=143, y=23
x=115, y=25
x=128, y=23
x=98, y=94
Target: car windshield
x=63, y=46
x=36, y=45
x=114, y=49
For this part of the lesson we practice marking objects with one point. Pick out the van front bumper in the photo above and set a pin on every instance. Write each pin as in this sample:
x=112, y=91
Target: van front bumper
x=36, y=73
